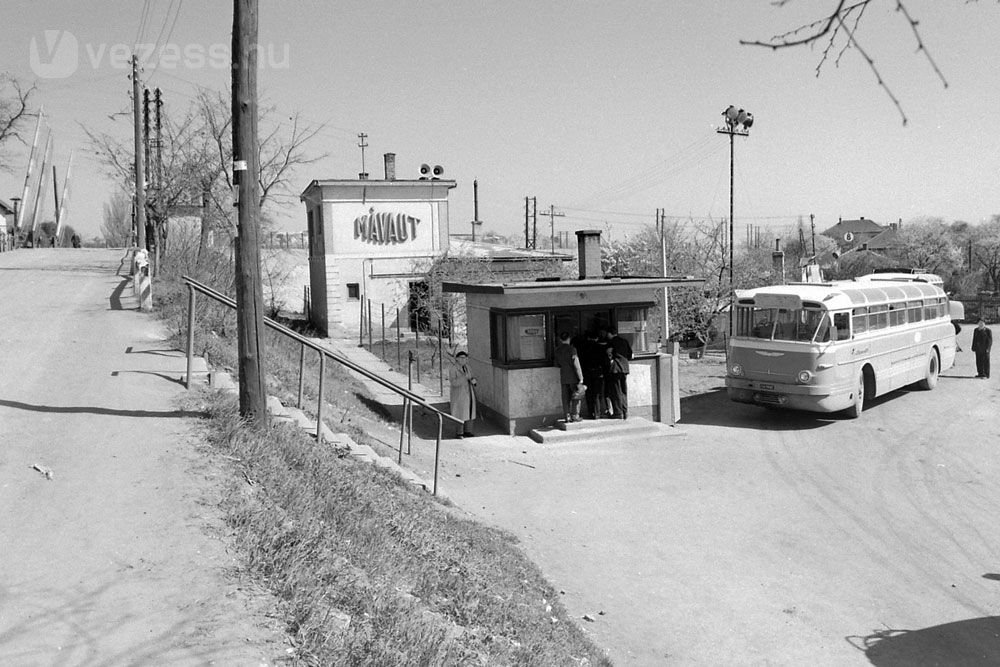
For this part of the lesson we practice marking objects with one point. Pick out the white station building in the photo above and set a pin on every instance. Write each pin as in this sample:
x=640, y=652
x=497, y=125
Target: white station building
x=372, y=240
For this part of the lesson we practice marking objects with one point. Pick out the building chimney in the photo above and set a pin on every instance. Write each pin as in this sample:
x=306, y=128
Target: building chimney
x=778, y=261
x=390, y=166
x=588, y=246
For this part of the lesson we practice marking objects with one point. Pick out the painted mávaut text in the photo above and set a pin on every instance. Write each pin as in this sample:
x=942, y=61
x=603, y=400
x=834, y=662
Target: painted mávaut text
x=385, y=228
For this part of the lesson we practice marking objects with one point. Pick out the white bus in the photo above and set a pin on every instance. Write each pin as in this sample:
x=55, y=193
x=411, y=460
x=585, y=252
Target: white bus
x=833, y=346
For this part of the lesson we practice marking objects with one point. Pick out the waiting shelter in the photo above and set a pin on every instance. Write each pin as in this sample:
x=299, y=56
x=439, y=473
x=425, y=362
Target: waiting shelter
x=513, y=328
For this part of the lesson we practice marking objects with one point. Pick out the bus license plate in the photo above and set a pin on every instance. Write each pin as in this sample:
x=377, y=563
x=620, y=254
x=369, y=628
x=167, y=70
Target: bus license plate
x=767, y=387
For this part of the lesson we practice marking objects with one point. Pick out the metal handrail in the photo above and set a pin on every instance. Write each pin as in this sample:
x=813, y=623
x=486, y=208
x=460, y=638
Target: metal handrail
x=409, y=398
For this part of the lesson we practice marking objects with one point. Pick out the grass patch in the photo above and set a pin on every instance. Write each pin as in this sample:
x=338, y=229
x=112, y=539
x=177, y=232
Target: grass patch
x=376, y=573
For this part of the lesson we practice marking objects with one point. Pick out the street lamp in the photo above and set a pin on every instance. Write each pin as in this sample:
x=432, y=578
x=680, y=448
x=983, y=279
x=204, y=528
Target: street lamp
x=738, y=122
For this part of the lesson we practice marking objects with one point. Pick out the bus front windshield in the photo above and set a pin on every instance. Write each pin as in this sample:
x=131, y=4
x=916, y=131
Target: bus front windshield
x=804, y=325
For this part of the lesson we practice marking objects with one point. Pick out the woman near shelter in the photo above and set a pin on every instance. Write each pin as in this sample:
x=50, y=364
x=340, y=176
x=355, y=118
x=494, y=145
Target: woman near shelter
x=463, y=394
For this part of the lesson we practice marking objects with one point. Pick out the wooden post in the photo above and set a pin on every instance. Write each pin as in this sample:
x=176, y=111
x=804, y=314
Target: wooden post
x=140, y=160
x=249, y=296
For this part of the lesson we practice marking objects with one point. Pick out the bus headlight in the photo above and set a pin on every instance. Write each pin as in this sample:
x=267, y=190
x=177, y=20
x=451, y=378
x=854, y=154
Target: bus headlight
x=736, y=370
x=804, y=377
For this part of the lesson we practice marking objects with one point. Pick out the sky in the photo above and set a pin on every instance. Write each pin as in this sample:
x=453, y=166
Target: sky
x=605, y=111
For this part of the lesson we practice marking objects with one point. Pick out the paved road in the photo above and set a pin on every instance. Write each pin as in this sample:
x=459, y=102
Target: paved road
x=759, y=537
x=120, y=558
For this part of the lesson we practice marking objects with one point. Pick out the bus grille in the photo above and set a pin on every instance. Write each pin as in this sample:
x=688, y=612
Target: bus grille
x=768, y=398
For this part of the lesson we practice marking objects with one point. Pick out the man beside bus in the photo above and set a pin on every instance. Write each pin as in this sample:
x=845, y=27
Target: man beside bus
x=982, y=341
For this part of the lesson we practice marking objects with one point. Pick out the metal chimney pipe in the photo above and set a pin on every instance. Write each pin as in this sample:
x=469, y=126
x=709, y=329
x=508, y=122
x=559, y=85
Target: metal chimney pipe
x=390, y=166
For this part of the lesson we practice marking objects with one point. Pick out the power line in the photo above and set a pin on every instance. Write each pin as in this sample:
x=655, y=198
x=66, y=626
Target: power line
x=142, y=22
x=180, y=3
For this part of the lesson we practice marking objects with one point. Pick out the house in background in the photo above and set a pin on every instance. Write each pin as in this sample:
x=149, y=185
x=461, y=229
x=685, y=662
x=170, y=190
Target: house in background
x=854, y=233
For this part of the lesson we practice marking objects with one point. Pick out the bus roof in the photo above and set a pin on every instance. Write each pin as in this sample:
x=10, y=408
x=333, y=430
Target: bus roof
x=905, y=276
x=837, y=295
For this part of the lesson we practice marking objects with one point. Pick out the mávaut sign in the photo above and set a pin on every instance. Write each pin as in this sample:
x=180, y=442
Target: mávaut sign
x=385, y=228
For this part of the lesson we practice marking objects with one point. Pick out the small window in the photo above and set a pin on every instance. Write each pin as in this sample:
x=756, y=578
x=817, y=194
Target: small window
x=859, y=320
x=897, y=314
x=353, y=291
x=878, y=317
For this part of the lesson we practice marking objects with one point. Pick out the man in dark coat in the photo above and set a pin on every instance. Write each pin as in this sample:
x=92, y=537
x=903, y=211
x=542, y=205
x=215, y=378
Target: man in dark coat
x=982, y=341
x=595, y=363
x=616, y=385
x=570, y=377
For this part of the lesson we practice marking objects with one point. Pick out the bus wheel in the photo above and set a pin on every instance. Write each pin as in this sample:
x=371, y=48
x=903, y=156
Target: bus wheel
x=859, y=398
x=931, y=376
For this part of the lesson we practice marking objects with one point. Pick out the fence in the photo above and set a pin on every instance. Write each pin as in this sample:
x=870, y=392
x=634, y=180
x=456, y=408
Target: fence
x=409, y=398
x=421, y=348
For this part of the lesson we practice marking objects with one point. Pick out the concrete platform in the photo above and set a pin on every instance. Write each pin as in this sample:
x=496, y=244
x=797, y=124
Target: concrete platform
x=601, y=429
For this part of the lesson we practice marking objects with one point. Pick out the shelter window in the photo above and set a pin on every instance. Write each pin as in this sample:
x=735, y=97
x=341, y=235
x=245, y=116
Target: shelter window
x=353, y=291
x=519, y=337
x=632, y=326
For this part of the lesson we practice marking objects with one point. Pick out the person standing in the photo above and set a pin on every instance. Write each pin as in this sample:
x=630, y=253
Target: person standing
x=619, y=354
x=982, y=341
x=595, y=364
x=462, y=394
x=570, y=377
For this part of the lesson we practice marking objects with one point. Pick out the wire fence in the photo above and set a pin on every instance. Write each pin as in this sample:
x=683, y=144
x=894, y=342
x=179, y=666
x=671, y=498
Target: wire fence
x=411, y=345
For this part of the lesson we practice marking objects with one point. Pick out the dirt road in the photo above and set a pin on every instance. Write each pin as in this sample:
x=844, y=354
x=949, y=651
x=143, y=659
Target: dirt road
x=120, y=558
x=761, y=537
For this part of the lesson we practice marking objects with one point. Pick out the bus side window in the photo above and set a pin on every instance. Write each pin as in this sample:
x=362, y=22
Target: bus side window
x=841, y=328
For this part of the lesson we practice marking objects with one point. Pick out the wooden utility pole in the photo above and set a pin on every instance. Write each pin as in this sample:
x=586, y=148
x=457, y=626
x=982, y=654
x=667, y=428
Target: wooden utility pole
x=812, y=227
x=140, y=161
x=246, y=169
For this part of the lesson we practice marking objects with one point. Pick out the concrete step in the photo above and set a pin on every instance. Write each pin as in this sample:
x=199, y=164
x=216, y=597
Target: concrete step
x=601, y=429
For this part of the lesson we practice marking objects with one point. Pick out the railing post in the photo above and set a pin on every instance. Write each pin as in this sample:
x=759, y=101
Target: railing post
x=302, y=373
x=369, y=325
x=409, y=430
x=402, y=431
x=190, y=338
x=440, y=360
x=409, y=370
x=437, y=451
x=399, y=340
x=361, y=323
x=383, y=332
x=319, y=407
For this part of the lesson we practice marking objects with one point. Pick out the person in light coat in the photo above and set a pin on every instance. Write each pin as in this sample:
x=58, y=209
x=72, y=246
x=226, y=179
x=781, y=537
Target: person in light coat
x=462, y=394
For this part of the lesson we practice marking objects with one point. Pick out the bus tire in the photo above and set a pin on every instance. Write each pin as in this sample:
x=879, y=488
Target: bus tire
x=931, y=374
x=859, y=398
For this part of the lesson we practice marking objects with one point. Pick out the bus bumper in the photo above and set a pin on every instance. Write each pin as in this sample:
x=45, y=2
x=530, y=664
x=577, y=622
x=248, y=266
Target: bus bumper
x=792, y=397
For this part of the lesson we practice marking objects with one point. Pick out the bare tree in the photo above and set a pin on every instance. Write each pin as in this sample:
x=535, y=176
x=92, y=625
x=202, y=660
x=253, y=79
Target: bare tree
x=838, y=31
x=117, y=225
x=196, y=177
x=15, y=103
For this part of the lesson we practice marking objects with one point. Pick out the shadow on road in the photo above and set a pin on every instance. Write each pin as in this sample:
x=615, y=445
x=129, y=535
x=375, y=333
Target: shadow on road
x=115, y=300
x=974, y=642
x=714, y=408
x=168, y=378
x=97, y=410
